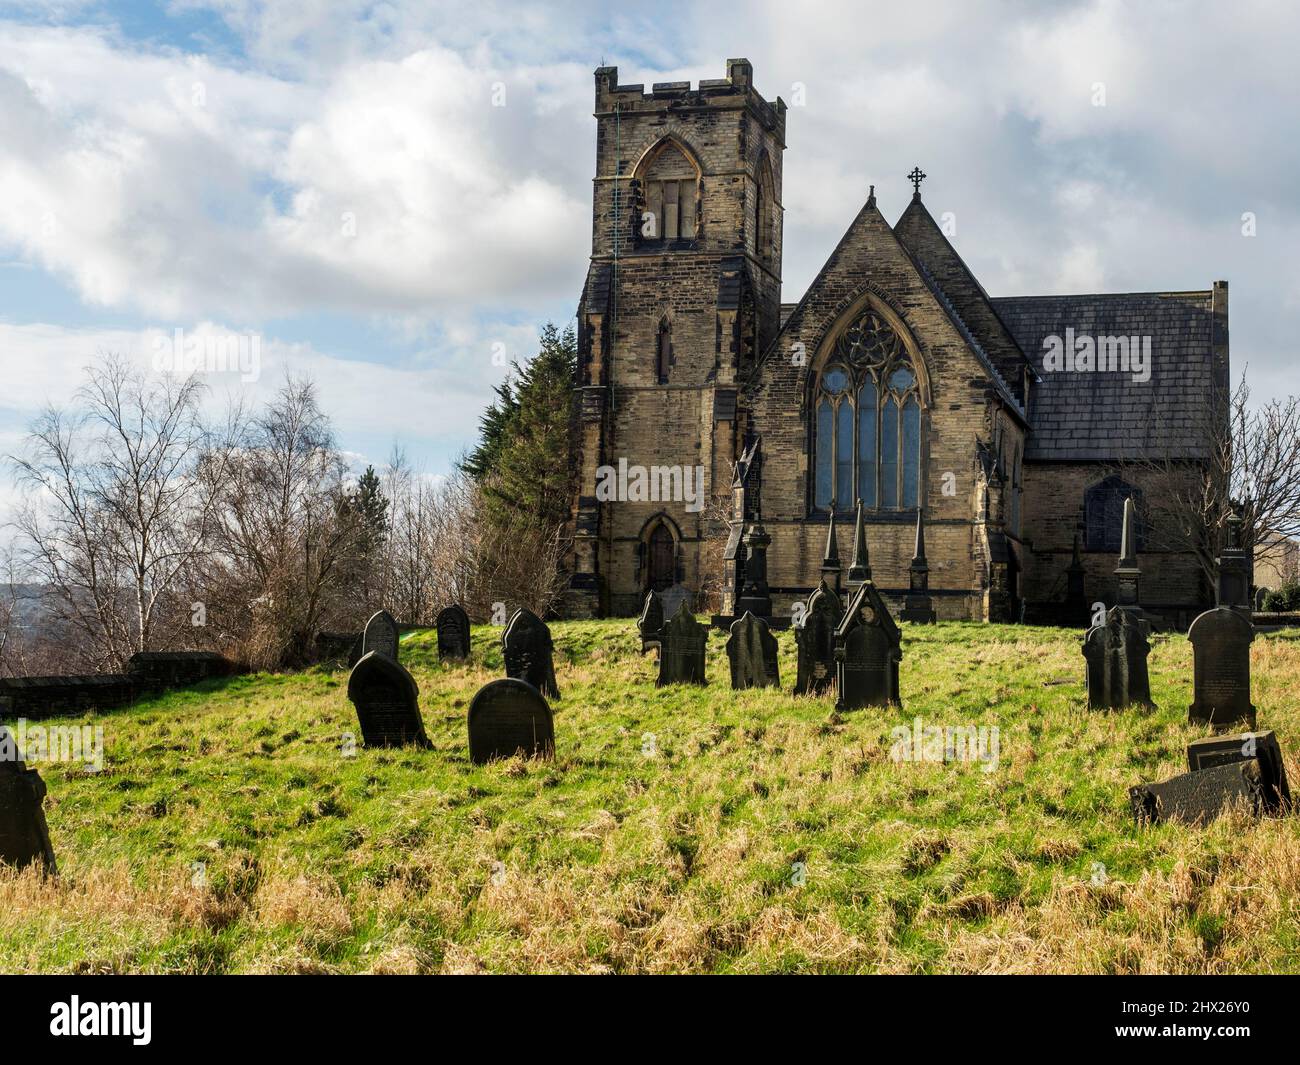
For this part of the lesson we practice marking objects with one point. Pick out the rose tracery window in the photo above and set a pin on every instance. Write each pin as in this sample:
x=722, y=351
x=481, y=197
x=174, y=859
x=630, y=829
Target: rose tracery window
x=867, y=436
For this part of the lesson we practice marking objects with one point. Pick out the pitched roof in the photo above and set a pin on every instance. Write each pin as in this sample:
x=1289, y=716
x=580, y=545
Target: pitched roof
x=1106, y=416
x=968, y=302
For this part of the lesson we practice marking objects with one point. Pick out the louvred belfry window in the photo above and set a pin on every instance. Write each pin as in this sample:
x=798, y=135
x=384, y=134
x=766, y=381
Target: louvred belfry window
x=671, y=190
x=867, y=414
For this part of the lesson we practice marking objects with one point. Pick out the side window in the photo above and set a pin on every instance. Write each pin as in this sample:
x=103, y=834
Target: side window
x=670, y=183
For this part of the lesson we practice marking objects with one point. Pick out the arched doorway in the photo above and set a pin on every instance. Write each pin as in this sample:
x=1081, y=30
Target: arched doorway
x=661, y=568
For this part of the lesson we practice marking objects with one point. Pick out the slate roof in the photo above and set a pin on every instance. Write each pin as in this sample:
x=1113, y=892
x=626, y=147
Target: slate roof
x=1108, y=416
x=963, y=296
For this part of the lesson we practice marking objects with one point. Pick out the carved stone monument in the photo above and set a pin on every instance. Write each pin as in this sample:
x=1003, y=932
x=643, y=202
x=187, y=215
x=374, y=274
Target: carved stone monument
x=651, y=622
x=1116, y=655
x=1197, y=798
x=681, y=650
x=529, y=652
x=918, y=607
x=24, y=835
x=1220, y=750
x=816, y=642
x=452, y=624
x=509, y=717
x=867, y=652
x=387, y=702
x=752, y=650
x=380, y=635
x=1221, y=641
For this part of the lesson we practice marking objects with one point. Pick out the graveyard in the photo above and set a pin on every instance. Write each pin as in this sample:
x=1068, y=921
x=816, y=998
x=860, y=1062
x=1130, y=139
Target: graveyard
x=681, y=827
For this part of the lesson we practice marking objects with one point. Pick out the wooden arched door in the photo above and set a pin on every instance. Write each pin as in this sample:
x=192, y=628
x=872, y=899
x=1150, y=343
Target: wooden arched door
x=661, y=571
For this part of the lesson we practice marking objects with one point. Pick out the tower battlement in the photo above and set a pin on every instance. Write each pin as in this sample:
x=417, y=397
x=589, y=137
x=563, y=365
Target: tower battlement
x=735, y=90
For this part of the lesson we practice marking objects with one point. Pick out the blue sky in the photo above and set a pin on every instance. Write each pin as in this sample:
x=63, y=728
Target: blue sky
x=334, y=178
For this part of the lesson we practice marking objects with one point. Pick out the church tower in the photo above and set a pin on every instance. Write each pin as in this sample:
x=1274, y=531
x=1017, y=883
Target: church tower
x=682, y=295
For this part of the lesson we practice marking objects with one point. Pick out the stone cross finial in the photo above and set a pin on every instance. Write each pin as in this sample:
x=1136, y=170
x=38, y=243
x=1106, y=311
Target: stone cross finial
x=916, y=177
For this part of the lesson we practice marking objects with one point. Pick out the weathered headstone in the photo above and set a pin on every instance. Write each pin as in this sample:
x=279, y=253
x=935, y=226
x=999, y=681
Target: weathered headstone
x=1116, y=655
x=24, y=835
x=509, y=717
x=452, y=624
x=868, y=648
x=380, y=635
x=752, y=650
x=816, y=642
x=755, y=597
x=674, y=596
x=1222, y=750
x=651, y=622
x=1196, y=798
x=529, y=652
x=1221, y=641
x=387, y=702
x=681, y=650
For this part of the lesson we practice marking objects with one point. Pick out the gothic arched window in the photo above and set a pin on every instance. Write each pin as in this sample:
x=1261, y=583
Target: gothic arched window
x=1103, y=514
x=867, y=422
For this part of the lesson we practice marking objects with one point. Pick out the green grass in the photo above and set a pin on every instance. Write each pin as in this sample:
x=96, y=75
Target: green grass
x=229, y=833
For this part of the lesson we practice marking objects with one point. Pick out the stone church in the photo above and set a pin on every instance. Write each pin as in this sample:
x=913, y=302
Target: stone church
x=1011, y=425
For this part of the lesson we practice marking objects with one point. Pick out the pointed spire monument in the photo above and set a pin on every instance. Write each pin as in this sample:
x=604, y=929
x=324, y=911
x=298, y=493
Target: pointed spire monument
x=860, y=567
x=918, y=606
x=831, y=559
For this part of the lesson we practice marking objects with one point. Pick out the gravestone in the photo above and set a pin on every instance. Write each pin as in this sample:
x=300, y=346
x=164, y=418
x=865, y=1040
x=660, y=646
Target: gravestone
x=1116, y=655
x=509, y=717
x=380, y=635
x=1232, y=589
x=867, y=652
x=681, y=650
x=1221, y=750
x=1197, y=798
x=24, y=835
x=1221, y=668
x=752, y=650
x=816, y=641
x=452, y=624
x=387, y=702
x=674, y=596
x=528, y=651
x=651, y=622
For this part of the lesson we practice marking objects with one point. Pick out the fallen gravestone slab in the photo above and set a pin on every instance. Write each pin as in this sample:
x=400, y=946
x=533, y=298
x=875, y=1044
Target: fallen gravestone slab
x=529, y=653
x=509, y=717
x=752, y=650
x=1223, y=750
x=387, y=702
x=1197, y=798
x=452, y=624
x=380, y=635
x=24, y=835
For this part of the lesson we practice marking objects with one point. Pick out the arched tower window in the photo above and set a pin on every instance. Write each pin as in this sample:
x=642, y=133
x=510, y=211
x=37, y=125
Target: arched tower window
x=764, y=207
x=867, y=422
x=670, y=186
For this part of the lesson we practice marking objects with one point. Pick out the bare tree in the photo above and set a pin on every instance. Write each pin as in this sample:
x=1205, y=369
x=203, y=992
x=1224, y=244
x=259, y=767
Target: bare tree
x=1251, y=454
x=284, y=529
x=117, y=514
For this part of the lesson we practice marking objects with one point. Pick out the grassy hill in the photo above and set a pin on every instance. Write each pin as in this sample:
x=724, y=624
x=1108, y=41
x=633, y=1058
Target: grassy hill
x=678, y=830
